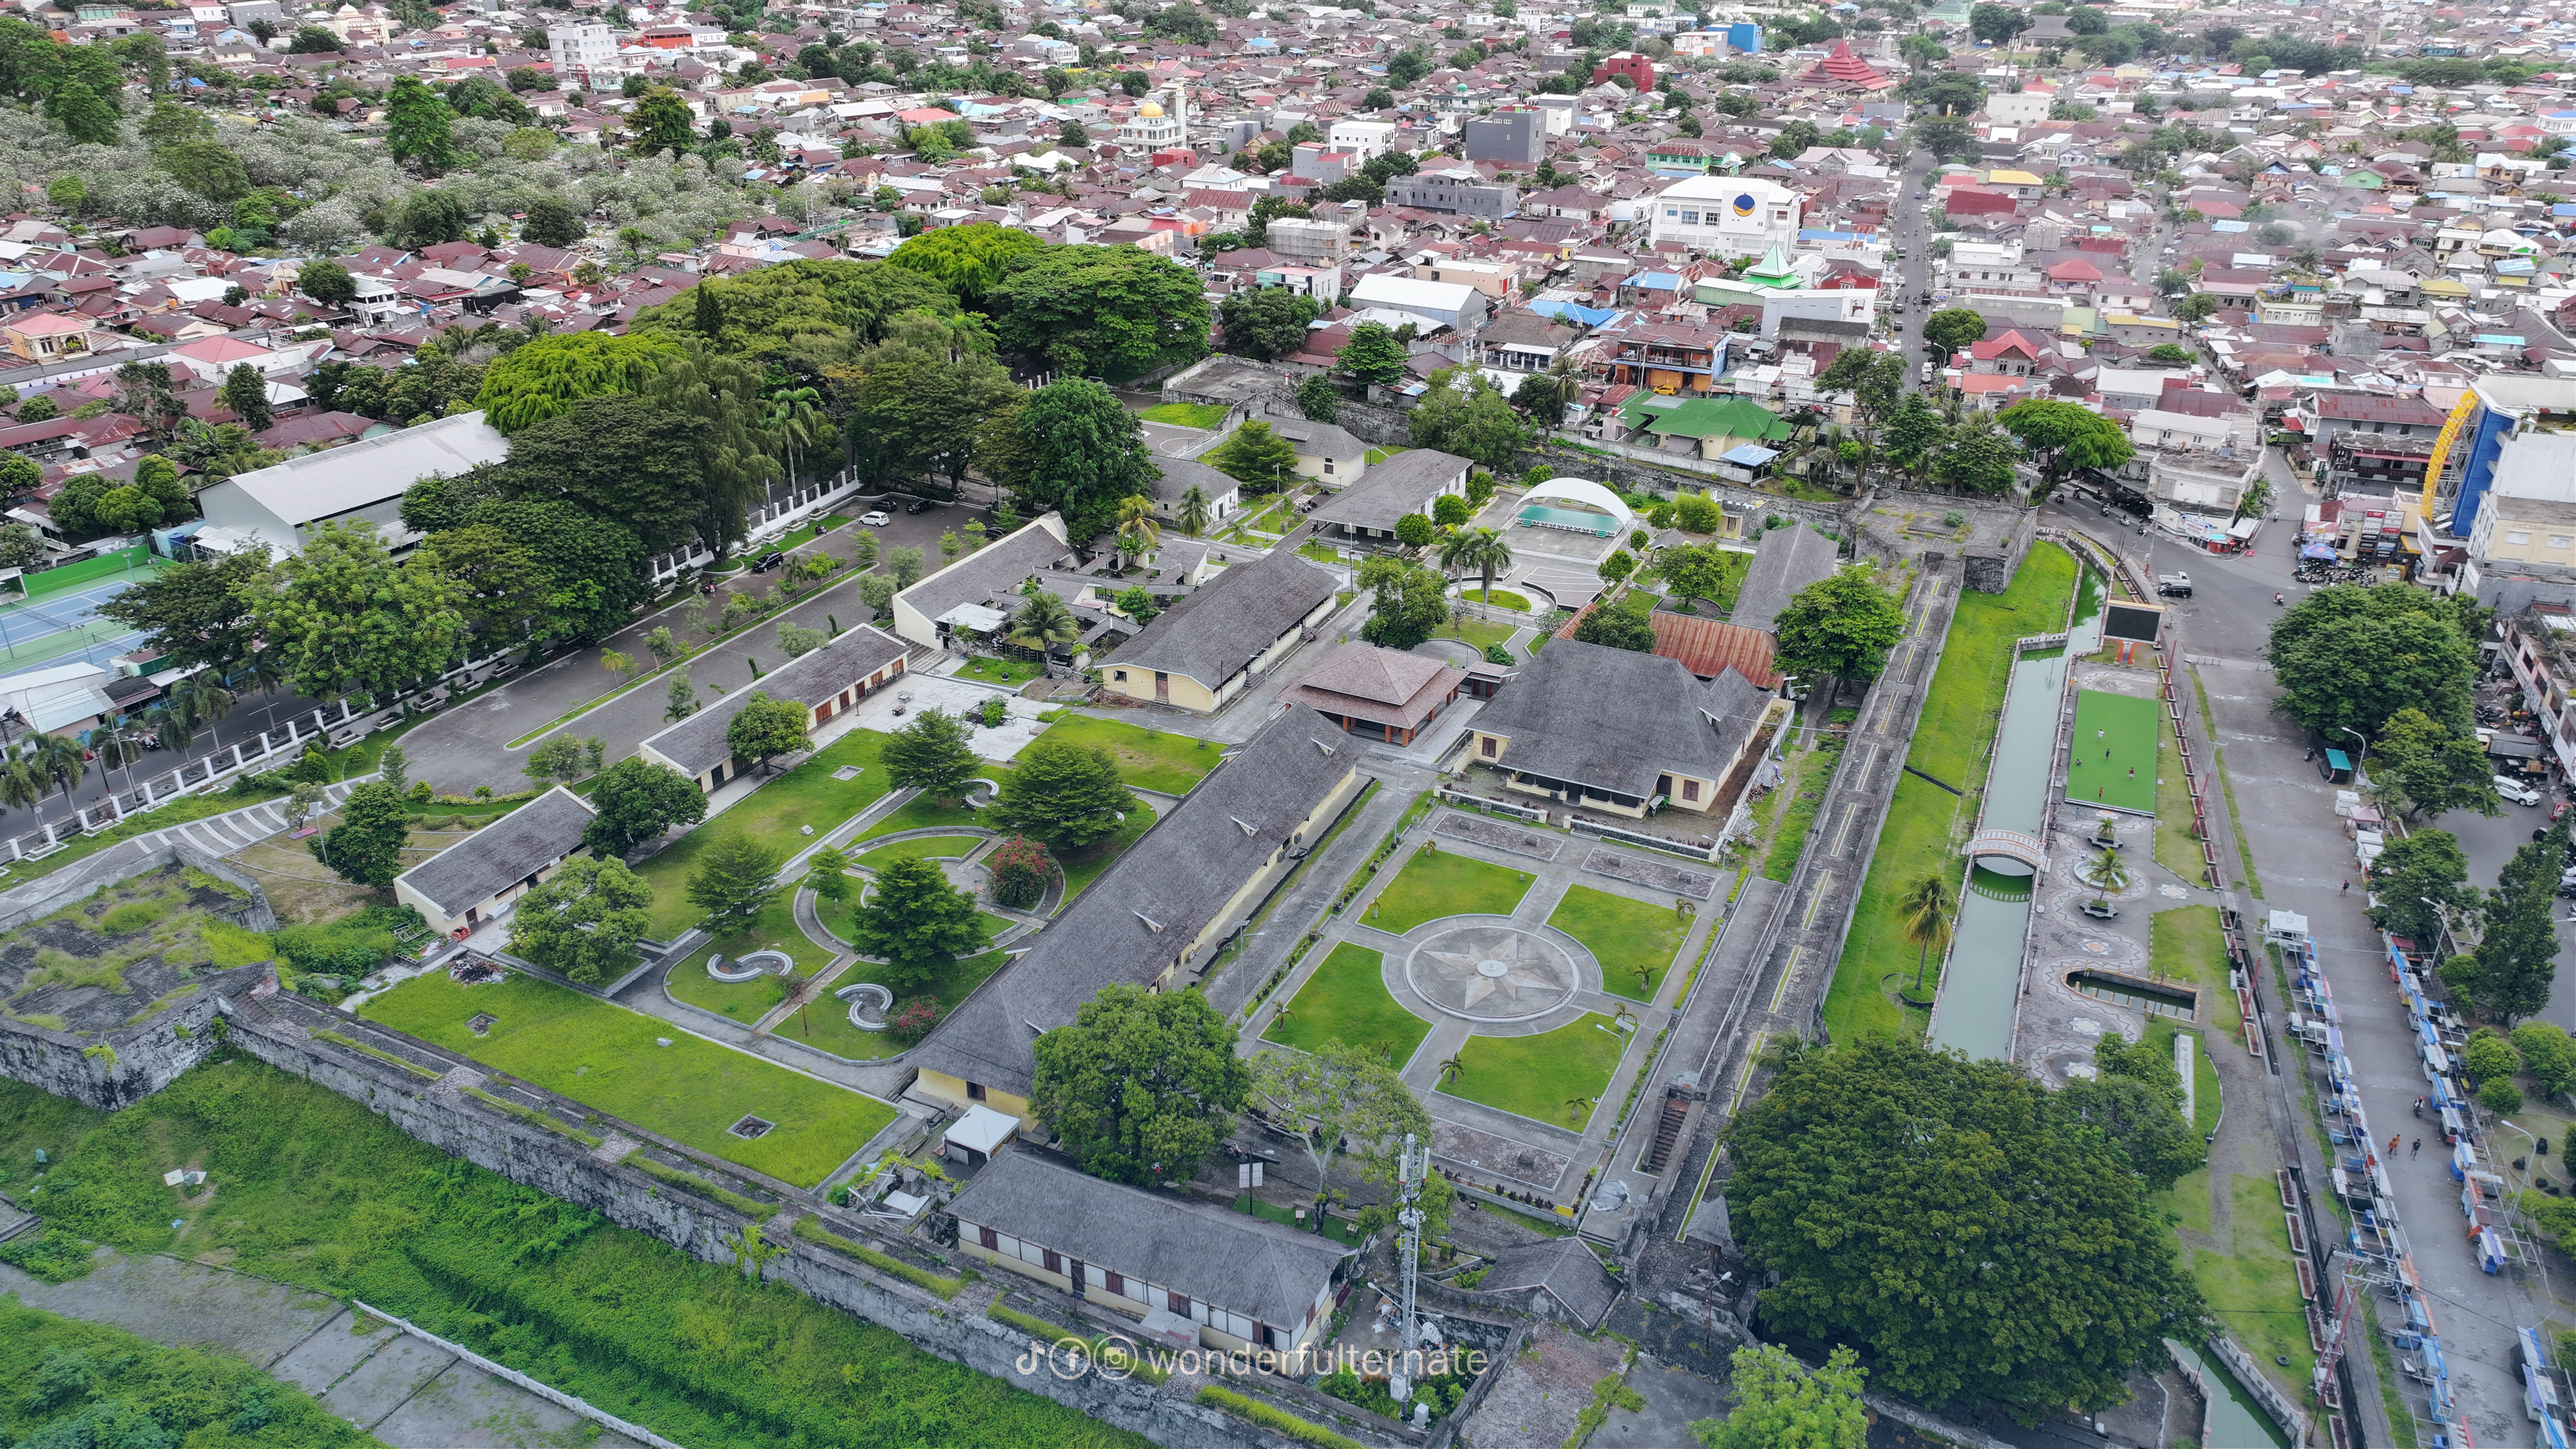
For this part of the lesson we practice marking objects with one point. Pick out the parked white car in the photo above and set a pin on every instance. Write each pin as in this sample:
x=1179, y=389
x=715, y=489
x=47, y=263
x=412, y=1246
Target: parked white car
x=876, y=519
x=2515, y=791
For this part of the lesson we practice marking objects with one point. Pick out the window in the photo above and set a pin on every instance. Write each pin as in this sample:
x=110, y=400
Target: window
x=1120, y=676
x=1052, y=1263
x=1115, y=1282
x=1690, y=789
x=1490, y=745
x=2518, y=535
x=988, y=1238
x=2560, y=540
x=975, y=1091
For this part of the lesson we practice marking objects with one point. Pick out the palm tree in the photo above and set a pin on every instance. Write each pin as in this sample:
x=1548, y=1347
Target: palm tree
x=1481, y=549
x=1575, y=1107
x=201, y=699
x=1044, y=621
x=1450, y=1067
x=2106, y=872
x=118, y=746
x=1192, y=514
x=56, y=761
x=1138, y=531
x=790, y=414
x=267, y=669
x=1565, y=386
x=1923, y=915
x=23, y=786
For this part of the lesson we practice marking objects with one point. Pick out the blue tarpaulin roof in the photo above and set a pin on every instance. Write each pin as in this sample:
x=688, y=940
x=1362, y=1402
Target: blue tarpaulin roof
x=1568, y=312
x=1748, y=455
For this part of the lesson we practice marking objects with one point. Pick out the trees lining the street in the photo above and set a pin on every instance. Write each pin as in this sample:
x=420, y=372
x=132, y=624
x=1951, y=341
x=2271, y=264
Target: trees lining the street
x=2348, y=658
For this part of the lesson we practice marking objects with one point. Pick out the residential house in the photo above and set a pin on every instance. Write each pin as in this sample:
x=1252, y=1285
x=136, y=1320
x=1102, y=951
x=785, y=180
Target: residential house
x=1326, y=452
x=1212, y=644
x=928, y=613
x=1379, y=694
x=1405, y=483
x=1175, y=477
x=827, y=681
x=482, y=875
x=1669, y=357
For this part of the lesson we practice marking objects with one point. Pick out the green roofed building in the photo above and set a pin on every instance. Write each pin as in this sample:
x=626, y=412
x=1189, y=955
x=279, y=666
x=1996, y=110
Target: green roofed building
x=1705, y=427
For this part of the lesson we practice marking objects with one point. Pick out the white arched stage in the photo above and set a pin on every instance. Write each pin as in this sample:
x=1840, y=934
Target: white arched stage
x=1535, y=513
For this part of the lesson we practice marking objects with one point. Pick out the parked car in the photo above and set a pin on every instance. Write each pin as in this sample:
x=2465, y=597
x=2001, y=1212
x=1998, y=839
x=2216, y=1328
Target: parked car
x=2174, y=586
x=876, y=518
x=916, y=505
x=2514, y=790
x=768, y=561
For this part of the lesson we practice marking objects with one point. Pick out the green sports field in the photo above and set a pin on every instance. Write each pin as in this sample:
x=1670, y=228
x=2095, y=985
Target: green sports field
x=2124, y=725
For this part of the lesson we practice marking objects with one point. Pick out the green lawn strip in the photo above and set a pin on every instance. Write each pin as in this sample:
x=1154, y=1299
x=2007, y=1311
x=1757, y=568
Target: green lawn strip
x=1482, y=633
x=178, y=811
x=1915, y=839
x=605, y=1056
x=1626, y=936
x=775, y=815
x=985, y=669
x=1811, y=770
x=1278, y=1421
x=1380, y=455
x=186, y=1391
x=315, y=1191
x=2187, y=945
x=923, y=813
x=1186, y=415
x=2176, y=849
x=136, y=563
x=1538, y=1076
x=2254, y=1290
x=824, y=1024
x=744, y=1002
x=1346, y=1000
x=2236, y=822
x=1344, y=1230
x=1438, y=883
x=919, y=847
x=2208, y=1095
x=1500, y=599
x=1085, y=866
x=1147, y=759
x=2112, y=758
x=1960, y=714
x=810, y=1228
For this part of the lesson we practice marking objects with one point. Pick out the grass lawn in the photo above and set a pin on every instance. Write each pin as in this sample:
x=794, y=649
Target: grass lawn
x=2176, y=850
x=1341, y=1230
x=986, y=669
x=919, y=846
x=1147, y=759
x=1186, y=415
x=1500, y=599
x=825, y=1022
x=1810, y=770
x=1556, y=1076
x=1440, y=884
x=1320, y=552
x=1347, y=1001
x=1960, y=713
x=1479, y=632
x=2253, y=1290
x=1084, y=866
x=605, y=1056
x=745, y=1002
x=2121, y=762
x=774, y=816
x=1380, y=455
x=2186, y=945
x=923, y=813
x=1626, y=936
x=1733, y=567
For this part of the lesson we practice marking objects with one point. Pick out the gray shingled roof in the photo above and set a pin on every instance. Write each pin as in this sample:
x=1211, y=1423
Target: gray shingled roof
x=996, y=568
x=1787, y=560
x=1230, y=620
x=1615, y=719
x=1319, y=440
x=1234, y=1261
x=1405, y=483
x=697, y=744
x=1179, y=474
x=1562, y=1266
x=508, y=850
x=1178, y=877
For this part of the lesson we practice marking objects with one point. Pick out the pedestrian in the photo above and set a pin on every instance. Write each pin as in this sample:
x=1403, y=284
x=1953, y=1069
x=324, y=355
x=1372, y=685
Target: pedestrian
x=2415, y=1148
x=2133, y=772
x=2106, y=754
x=2347, y=887
x=2392, y=1146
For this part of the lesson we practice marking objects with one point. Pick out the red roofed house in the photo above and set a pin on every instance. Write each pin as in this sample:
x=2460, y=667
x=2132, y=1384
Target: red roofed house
x=44, y=336
x=2074, y=275
x=1639, y=70
x=2011, y=355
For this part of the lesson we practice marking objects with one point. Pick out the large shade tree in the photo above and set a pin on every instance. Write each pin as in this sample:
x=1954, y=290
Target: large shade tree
x=1843, y=624
x=2348, y=658
x=1101, y=309
x=1141, y=1086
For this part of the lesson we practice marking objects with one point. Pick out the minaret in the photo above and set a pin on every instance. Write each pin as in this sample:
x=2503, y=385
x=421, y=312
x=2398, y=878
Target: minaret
x=1181, y=115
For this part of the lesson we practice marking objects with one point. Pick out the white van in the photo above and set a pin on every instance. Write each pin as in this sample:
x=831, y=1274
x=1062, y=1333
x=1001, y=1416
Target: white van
x=2514, y=790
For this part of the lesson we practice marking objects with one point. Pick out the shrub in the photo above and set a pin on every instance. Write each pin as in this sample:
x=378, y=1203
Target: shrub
x=132, y=916
x=1698, y=513
x=913, y=1020
x=2501, y=1097
x=2548, y=1054
x=310, y=768
x=2489, y=1057
x=994, y=713
x=1279, y=1420
x=1020, y=869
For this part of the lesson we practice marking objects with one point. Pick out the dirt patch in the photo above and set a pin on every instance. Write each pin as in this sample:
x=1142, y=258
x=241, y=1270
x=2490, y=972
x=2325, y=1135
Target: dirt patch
x=301, y=889
x=120, y=957
x=1542, y=1391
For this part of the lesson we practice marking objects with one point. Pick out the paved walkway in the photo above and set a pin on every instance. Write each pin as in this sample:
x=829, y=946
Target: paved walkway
x=398, y=1388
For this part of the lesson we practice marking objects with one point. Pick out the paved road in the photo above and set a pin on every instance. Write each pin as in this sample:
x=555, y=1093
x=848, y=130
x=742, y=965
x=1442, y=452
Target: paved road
x=2302, y=860
x=1913, y=272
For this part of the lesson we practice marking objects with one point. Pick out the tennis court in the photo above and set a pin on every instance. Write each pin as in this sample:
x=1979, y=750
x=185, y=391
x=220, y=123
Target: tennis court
x=2112, y=759
x=62, y=624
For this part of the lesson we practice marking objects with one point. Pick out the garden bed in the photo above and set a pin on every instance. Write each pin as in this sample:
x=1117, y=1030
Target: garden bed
x=825, y=1022
x=775, y=816
x=1635, y=941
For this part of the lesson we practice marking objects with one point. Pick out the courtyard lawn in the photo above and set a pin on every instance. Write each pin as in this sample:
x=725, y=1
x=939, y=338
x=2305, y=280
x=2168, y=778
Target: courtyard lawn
x=2111, y=759
x=1483, y=633
x=1380, y=455
x=984, y=669
x=2176, y=848
x=1733, y=566
x=1500, y=599
x=1346, y=1001
x=1633, y=940
x=775, y=816
x=923, y=813
x=1555, y=1077
x=1147, y=759
x=1960, y=714
x=607, y=1057
x=919, y=847
x=825, y=1022
x=2186, y=945
x=1186, y=415
x=746, y=1002
x=1441, y=884
x=2253, y=1286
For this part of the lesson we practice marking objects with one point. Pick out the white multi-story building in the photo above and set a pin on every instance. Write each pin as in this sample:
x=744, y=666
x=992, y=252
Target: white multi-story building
x=585, y=55
x=1369, y=138
x=1727, y=216
x=1154, y=129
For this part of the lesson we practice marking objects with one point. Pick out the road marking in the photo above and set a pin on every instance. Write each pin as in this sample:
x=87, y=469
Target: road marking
x=1869, y=766
x=1842, y=837
x=1886, y=714
x=1815, y=902
x=1788, y=973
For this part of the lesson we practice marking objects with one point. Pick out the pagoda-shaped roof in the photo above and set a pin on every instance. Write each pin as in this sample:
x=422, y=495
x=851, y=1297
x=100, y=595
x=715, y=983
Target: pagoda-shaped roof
x=1848, y=69
x=1774, y=270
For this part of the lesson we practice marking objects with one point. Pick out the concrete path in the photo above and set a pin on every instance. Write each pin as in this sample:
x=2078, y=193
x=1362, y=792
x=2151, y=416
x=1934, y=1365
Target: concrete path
x=401, y=1389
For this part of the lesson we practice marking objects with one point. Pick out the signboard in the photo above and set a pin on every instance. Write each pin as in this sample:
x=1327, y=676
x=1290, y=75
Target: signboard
x=2128, y=623
x=2461, y=413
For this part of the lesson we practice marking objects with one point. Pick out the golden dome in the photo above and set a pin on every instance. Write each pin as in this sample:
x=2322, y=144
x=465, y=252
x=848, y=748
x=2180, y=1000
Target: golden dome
x=1148, y=110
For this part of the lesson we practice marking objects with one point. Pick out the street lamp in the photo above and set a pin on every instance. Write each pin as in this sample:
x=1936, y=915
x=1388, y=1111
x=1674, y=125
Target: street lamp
x=2442, y=918
x=2365, y=749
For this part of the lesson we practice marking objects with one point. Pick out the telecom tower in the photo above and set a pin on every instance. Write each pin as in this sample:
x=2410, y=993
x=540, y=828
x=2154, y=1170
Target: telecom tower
x=1410, y=1167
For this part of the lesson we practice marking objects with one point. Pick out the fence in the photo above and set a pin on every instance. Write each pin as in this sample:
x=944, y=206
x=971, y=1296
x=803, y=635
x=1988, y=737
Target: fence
x=601, y=1417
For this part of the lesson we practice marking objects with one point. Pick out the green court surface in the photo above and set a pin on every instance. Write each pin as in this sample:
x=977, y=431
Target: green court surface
x=2124, y=726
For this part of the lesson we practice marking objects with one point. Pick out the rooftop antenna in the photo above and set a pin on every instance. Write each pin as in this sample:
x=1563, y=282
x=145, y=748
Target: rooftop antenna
x=1410, y=1166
